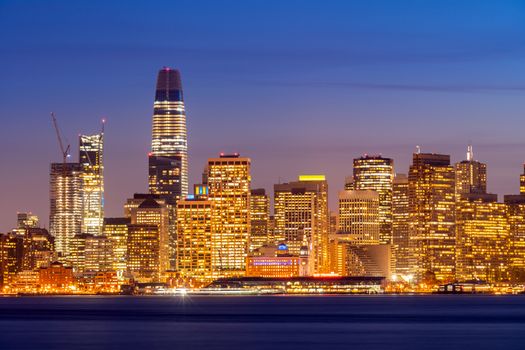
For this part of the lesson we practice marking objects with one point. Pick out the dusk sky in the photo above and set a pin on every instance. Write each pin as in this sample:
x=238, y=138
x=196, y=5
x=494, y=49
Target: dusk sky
x=297, y=86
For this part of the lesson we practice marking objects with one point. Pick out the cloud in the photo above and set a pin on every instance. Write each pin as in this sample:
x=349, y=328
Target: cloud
x=465, y=88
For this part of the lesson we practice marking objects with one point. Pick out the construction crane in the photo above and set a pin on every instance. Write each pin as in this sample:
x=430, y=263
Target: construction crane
x=64, y=151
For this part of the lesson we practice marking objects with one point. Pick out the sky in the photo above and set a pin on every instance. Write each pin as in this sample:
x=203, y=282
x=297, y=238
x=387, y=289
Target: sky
x=297, y=86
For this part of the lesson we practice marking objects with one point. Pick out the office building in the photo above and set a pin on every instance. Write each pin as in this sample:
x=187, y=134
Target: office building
x=400, y=220
x=259, y=216
x=516, y=218
x=228, y=183
x=90, y=253
x=116, y=230
x=65, y=217
x=169, y=135
x=197, y=223
x=91, y=159
x=38, y=248
x=148, y=241
x=301, y=219
x=471, y=175
x=431, y=194
x=483, y=238
x=26, y=220
x=377, y=173
x=359, y=216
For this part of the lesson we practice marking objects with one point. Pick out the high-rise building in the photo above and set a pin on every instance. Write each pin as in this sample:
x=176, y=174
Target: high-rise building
x=165, y=176
x=431, y=216
x=483, y=238
x=522, y=181
x=471, y=175
x=301, y=219
x=377, y=173
x=39, y=248
x=259, y=215
x=349, y=183
x=65, y=217
x=11, y=252
x=169, y=135
x=116, y=230
x=90, y=253
x=91, y=158
x=26, y=220
x=197, y=223
x=400, y=219
x=516, y=218
x=229, y=188
x=148, y=241
x=359, y=216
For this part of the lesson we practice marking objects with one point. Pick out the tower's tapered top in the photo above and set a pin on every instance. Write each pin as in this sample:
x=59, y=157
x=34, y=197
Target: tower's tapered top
x=169, y=86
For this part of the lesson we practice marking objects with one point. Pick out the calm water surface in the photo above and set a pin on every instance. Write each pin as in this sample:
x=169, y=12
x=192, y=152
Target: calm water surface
x=276, y=322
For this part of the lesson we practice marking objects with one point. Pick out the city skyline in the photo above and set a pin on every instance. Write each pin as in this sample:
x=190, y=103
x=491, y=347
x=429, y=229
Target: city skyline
x=268, y=108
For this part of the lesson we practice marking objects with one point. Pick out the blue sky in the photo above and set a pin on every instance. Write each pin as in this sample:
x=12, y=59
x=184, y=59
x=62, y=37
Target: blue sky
x=298, y=86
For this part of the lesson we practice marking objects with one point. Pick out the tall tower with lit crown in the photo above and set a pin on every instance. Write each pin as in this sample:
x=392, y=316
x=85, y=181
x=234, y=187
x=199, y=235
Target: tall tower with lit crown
x=169, y=134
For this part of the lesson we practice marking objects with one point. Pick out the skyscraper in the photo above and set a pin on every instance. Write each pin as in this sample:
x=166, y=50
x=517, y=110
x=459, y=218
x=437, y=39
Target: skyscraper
x=377, y=173
x=522, y=181
x=164, y=176
x=400, y=219
x=26, y=220
x=516, y=217
x=359, y=216
x=471, y=175
x=431, y=216
x=65, y=216
x=301, y=218
x=148, y=246
x=91, y=158
x=483, y=238
x=259, y=215
x=169, y=135
x=229, y=188
x=116, y=230
x=197, y=224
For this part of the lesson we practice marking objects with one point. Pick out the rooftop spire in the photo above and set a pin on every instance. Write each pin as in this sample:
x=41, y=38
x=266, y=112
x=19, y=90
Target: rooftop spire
x=470, y=153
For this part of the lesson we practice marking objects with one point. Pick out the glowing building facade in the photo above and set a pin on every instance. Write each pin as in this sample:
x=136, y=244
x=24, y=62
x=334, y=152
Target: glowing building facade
x=483, y=238
x=90, y=253
x=377, y=173
x=359, y=216
x=91, y=158
x=522, y=181
x=65, y=217
x=301, y=219
x=259, y=216
x=116, y=230
x=400, y=220
x=228, y=182
x=197, y=223
x=148, y=241
x=516, y=217
x=431, y=195
x=471, y=176
x=26, y=220
x=169, y=136
x=276, y=262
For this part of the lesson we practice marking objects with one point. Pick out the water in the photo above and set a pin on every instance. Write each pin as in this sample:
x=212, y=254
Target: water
x=265, y=322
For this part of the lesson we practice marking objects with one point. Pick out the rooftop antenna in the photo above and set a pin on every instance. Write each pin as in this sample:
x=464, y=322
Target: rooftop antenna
x=418, y=149
x=470, y=153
